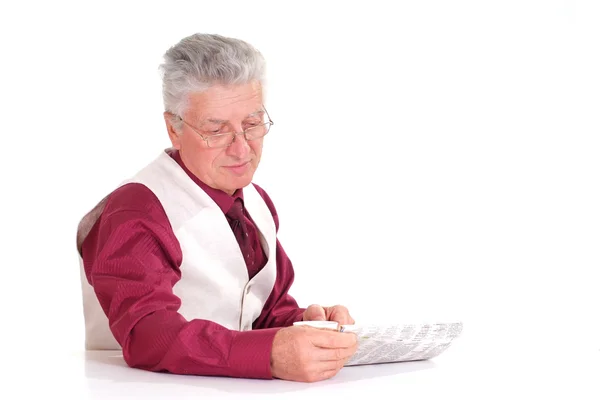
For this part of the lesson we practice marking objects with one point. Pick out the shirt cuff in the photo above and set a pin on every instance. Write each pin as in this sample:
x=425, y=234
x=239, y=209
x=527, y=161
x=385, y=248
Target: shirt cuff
x=250, y=355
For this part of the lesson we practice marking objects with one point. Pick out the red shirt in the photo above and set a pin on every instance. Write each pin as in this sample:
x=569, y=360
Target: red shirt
x=131, y=257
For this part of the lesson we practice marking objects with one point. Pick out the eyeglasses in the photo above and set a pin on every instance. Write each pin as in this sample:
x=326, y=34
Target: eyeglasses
x=216, y=140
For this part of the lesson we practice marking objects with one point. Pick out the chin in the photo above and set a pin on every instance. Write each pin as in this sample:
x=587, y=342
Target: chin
x=244, y=182
x=239, y=182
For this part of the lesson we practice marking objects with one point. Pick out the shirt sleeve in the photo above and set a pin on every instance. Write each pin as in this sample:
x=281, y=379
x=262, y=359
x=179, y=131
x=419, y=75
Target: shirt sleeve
x=131, y=259
x=280, y=309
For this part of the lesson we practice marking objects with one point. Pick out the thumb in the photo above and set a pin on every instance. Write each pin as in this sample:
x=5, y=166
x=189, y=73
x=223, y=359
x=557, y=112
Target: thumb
x=314, y=312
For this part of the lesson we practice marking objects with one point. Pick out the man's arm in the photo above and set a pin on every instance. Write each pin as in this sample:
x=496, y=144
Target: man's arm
x=281, y=309
x=131, y=258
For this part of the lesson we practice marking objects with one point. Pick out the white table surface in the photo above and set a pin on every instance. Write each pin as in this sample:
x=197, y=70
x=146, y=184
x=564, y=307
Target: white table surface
x=471, y=368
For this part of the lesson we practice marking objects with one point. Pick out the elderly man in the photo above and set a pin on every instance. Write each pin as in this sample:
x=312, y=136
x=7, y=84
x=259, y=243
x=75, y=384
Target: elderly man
x=181, y=266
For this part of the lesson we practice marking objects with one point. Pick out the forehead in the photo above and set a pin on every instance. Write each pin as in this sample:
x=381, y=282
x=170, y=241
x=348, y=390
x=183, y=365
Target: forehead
x=231, y=102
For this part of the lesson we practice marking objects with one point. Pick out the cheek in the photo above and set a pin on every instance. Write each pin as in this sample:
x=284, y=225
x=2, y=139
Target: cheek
x=215, y=158
x=191, y=142
x=202, y=158
x=256, y=148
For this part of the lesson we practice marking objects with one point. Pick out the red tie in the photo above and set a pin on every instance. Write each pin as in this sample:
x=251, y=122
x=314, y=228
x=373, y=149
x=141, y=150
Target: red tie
x=236, y=213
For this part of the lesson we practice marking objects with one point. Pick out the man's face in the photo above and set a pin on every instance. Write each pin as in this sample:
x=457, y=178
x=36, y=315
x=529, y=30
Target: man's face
x=221, y=109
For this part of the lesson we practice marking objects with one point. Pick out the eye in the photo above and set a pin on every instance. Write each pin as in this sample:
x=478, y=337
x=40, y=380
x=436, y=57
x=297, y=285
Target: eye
x=213, y=130
x=251, y=124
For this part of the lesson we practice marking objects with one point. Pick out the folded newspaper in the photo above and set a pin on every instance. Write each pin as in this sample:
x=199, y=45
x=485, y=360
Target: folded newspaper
x=397, y=343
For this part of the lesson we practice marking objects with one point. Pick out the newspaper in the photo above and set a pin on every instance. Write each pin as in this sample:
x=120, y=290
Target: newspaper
x=397, y=343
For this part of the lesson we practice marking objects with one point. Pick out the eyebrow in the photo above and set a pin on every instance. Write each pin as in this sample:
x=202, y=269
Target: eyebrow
x=223, y=121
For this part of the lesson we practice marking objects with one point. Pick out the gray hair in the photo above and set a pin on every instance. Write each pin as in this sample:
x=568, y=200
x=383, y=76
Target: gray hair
x=200, y=61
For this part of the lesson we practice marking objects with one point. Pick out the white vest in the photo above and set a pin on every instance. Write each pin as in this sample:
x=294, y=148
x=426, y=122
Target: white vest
x=214, y=282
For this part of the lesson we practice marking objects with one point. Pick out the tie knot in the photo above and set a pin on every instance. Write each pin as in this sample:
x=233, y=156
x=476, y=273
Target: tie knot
x=236, y=210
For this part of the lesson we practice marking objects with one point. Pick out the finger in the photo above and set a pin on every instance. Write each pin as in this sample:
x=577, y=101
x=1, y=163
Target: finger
x=342, y=317
x=314, y=312
x=350, y=319
x=340, y=355
x=328, y=374
x=338, y=314
x=332, y=339
x=331, y=370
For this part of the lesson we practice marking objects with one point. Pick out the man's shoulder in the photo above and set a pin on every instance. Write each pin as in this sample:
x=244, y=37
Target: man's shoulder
x=129, y=207
x=134, y=199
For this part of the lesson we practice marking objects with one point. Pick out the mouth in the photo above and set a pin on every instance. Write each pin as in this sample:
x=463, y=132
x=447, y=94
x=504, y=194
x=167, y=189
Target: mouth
x=238, y=169
x=238, y=165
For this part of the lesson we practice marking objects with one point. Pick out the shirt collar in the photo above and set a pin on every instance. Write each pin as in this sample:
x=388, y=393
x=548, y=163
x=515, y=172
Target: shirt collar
x=223, y=200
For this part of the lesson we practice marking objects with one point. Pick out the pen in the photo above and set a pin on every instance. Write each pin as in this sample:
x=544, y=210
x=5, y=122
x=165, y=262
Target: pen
x=348, y=328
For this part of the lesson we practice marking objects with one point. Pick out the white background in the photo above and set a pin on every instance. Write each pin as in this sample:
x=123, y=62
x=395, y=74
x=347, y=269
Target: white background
x=430, y=160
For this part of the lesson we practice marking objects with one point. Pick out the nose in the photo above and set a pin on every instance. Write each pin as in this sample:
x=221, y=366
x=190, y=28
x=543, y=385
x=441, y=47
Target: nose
x=239, y=148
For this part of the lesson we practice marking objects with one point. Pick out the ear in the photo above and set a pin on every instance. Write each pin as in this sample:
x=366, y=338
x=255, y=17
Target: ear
x=173, y=135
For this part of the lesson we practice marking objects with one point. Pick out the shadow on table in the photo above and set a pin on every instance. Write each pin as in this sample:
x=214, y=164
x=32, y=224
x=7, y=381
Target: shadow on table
x=108, y=366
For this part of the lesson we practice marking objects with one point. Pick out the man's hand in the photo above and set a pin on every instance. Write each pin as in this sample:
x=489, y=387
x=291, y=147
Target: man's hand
x=338, y=314
x=307, y=354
